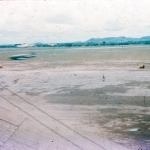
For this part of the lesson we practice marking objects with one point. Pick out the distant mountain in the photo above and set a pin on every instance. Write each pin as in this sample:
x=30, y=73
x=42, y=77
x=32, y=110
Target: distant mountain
x=108, y=41
x=119, y=40
x=146, y=37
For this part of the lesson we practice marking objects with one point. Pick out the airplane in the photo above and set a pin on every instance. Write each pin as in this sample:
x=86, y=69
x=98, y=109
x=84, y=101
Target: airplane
x=22, y=56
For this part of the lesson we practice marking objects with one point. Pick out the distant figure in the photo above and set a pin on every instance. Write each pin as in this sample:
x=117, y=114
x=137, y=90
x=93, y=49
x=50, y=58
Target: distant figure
x=103, y=77
x=142, y=66
x=1, y=66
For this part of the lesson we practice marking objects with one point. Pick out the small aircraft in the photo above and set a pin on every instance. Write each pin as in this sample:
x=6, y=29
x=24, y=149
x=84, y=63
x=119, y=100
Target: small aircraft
x=22, y=56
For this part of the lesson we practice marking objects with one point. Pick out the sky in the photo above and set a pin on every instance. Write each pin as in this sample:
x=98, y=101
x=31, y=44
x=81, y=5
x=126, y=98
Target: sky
x=55, y=21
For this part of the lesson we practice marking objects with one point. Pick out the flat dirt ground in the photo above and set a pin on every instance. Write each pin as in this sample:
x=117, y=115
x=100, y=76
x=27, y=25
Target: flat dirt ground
x=75, y=98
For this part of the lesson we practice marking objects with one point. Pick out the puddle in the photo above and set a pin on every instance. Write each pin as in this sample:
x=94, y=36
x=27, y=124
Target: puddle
x=134, y=129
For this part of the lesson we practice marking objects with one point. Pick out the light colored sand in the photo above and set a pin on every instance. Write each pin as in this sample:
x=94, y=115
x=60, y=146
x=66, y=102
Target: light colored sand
x=61, y=101
x=68, y=122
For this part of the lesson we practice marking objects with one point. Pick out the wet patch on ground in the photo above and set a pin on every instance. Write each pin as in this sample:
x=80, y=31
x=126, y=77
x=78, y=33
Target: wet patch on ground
x=121, y=88
x=123, y=122
x=76, y=96
x=117, y=117
x=133, y=127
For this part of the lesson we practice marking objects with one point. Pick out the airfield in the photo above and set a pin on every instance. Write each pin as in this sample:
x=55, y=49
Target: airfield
x=86, y=98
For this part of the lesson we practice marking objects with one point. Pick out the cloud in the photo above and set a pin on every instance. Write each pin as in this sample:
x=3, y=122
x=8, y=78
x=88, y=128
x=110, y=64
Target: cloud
x=61, y=21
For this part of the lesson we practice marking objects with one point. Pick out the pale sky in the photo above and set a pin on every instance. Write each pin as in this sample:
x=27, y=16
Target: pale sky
x=72, y=20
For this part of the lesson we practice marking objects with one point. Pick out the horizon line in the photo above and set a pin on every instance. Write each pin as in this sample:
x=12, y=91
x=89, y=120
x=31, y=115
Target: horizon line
x=148, y=36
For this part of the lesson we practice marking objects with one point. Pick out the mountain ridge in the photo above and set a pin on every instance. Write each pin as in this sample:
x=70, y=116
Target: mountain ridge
x=107, y=41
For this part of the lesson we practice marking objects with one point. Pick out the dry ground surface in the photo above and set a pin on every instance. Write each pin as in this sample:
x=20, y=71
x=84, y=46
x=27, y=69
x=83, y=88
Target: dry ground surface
x=60, y=100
